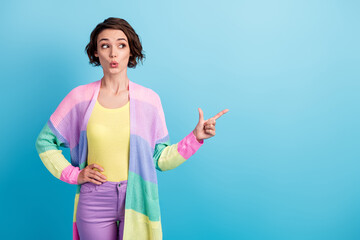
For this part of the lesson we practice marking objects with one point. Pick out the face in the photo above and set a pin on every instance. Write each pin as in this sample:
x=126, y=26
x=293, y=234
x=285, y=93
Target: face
x=113, y=51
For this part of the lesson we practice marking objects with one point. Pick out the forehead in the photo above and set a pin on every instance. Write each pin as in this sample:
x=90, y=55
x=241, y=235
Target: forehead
x=111, y=34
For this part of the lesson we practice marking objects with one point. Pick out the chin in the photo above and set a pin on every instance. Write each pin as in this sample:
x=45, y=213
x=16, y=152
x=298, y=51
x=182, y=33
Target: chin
x=114, y=70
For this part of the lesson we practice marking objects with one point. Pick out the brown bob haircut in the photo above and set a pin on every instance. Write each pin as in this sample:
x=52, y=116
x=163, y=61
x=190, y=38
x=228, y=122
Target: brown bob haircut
x=136, y=50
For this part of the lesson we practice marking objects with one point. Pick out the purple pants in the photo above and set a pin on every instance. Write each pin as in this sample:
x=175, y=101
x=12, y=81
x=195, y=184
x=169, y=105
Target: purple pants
x=99, y=209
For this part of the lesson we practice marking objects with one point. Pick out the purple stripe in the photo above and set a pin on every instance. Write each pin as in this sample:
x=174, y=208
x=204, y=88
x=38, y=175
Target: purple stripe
x=75, y=154
x=83, y=144
x=164, y=139
x=57, y=134
x=91, y=106
x=144, y=121
x=141, y=161
x=71, y=131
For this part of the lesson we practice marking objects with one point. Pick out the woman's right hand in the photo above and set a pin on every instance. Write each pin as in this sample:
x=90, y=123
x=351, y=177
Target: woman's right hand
x=88, y=174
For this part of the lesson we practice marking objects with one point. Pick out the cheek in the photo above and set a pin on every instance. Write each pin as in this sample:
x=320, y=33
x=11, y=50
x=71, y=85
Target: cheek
x=102, y=58
x=125, y=57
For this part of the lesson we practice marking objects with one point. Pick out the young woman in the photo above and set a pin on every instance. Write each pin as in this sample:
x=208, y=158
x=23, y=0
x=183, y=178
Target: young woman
x=117, y=135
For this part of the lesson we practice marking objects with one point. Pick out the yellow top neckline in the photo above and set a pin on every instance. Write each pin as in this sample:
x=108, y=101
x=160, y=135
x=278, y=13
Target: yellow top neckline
x=112, y=109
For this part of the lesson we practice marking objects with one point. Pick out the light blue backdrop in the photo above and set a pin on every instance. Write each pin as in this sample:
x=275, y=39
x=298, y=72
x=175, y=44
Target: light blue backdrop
x=284, y=163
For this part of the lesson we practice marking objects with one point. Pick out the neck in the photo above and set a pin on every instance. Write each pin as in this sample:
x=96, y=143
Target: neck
x=115, y=83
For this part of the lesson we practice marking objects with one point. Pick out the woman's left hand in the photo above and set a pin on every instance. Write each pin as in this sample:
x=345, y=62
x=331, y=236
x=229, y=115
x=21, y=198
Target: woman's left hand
x=206, y=128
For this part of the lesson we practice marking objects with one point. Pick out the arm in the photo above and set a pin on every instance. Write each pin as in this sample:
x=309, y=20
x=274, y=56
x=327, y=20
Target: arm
x=167, y=157
x=47, y=145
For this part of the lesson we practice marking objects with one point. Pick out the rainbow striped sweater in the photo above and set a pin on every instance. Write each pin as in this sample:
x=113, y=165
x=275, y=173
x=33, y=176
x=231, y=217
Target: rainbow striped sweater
x=150, y=149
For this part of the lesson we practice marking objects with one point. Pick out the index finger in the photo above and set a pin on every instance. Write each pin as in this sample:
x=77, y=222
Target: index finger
x=94, y=165
x=220, y=114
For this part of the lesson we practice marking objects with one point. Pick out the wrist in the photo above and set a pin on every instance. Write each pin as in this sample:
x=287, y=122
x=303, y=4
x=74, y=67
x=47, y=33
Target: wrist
x=197, y=139
x=189, y=145
x=70, y=174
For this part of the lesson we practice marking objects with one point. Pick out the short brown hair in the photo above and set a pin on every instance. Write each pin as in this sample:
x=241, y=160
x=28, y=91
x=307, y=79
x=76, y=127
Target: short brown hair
x=119, y=24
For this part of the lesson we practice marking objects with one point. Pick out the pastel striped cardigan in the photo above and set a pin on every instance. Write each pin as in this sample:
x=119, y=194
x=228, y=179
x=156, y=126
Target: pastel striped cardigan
x=150, y=149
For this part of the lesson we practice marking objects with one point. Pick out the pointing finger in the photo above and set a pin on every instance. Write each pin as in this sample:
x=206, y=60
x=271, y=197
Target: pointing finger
x=220, y=114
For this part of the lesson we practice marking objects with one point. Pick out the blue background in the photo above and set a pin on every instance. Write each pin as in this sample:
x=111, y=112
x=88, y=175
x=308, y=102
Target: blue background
x=284, y=163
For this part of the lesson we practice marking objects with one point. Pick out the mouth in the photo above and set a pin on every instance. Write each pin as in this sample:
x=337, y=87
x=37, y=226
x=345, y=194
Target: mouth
x=114, y=64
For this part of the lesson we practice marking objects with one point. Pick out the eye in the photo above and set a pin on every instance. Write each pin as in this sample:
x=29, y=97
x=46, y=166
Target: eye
x=122, y=45
x=104, y=46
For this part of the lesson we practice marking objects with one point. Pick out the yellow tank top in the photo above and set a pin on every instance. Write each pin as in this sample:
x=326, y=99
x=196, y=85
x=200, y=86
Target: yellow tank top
x=108, y=134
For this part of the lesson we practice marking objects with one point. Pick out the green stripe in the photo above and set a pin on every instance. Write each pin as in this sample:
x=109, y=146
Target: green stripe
x=142, y=196
x=83, y=165
x=47, y=140
x=157, y=152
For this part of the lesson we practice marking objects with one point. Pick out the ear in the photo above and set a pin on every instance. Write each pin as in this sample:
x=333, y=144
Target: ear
x=95, y=53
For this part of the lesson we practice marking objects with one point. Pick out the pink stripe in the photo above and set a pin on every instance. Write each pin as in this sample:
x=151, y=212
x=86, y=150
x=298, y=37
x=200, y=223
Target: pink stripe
x=92, y=104
x=70, y=174
x=149, y=100
x=189, y=145
x=162, y=127
x=75, y=232
x=76, y=95
x=149, y=119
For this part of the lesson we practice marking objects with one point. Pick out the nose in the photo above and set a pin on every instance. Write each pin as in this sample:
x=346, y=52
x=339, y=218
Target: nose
x=113, y=52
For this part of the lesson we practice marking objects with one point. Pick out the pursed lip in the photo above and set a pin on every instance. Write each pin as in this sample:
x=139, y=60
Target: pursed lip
x=114, y=64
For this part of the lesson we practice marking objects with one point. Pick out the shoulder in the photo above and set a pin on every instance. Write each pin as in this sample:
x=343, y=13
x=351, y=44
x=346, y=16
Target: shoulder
x=82, y=92
x=76, y=97
x=145, y=94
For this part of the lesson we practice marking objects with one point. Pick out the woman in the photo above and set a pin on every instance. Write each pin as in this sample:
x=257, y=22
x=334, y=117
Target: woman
x=117, y=135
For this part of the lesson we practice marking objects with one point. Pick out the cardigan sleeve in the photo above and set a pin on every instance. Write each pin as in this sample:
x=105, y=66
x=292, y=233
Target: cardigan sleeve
x=168, y=156
x=47, y=146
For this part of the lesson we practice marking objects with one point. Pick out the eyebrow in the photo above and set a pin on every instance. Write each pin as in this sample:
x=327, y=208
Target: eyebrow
x=104, y=39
